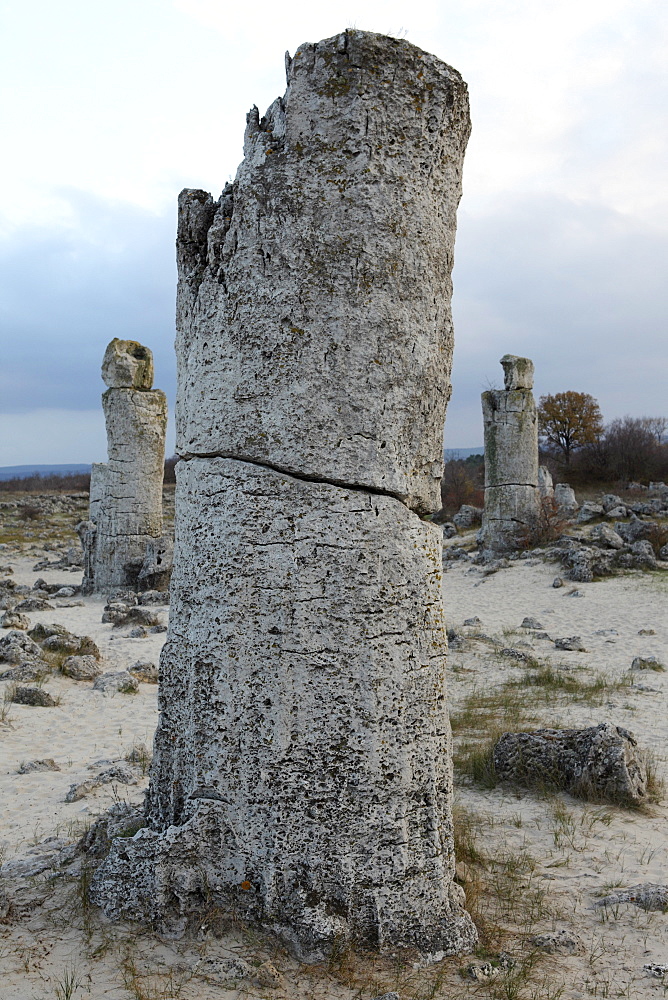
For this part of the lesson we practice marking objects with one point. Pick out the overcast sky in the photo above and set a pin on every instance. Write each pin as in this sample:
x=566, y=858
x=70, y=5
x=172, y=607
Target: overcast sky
x=108, y=109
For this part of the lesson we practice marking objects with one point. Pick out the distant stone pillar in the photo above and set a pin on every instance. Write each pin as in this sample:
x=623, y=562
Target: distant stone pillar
x=545, y=483
x=125, y=512
x=512, y=497
x=302, y=772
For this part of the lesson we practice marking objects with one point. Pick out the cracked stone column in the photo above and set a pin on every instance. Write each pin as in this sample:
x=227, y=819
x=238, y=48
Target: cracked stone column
x=302, y=773
x=125, y=514
x=512, y=496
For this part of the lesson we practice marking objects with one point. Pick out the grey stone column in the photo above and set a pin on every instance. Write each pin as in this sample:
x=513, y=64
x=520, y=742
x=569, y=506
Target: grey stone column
x=302, y=771
x=125, y=514
x=512, y=497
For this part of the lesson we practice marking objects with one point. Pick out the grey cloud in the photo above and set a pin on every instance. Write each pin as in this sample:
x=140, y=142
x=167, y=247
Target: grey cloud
x=575, y=286
x=67, y=290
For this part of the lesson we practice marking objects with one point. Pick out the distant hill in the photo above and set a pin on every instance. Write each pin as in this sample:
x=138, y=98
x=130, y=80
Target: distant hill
x=23, y=471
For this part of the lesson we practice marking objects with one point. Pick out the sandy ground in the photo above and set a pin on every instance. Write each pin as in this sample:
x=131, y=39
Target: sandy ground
x=547, y=857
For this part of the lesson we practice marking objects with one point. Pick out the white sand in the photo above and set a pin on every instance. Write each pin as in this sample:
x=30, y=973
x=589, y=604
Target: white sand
x=580, y=850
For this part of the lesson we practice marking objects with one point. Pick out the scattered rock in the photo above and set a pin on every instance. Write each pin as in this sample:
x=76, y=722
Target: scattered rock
x=515, y=654
x=118, y=773
x=31, y=670
x=34, y=604
x=154, y=597
x=602, y=763
x=557, y=582
x=604, y=536
x=81, y=668
x=611, y=500
x=656, y=970
x=14, y=619
x=28, y=766
x=17, y=647
x=145, y=671
x=449, y=529
x=73, y=645
x=558, y=942
x=643, y=555
x=472, y=621
x=572, y=643
x=588, y=511
x=647, y=896
x=40, y=632
x=530, y=623
x=467, y=517
x=646, y=631
x=388, y=996
x=138, y=633
x=486, y=971
x=647, y=663
x=32, y=696
x=112, y=682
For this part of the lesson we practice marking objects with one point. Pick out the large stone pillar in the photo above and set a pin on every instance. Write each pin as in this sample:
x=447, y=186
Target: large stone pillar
x=512, y=497
x=125, y=513
x=302, y=770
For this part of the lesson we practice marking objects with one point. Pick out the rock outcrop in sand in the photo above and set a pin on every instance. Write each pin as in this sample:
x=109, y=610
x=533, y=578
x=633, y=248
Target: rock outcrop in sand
x=302, y=769
x=512, y=496
x=603, y=763
x=124, y=529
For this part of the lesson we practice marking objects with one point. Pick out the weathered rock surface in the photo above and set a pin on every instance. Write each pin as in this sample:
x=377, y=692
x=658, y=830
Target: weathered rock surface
x=512, y=497
x=602, y=763
x=81, y=668
x=564, y=497
x=16, y=620
x=347, y=624
x=36, y=697
x=646, y=896
x=301, y=775
x=341, y=221
x=17, y=647
x=545, y=484
x=125, y=514
x=116, y=681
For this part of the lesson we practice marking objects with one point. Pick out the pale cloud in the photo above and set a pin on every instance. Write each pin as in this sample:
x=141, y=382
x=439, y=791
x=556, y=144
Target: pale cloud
x=107, y=113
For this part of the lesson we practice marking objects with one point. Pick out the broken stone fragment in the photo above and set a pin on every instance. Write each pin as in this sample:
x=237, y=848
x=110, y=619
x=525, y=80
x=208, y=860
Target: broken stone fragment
x=81, y=668
x=14, y=619
x=118, y=681
x=17, y=647
x=602, y=763
x=36, y=697
x=127, y=365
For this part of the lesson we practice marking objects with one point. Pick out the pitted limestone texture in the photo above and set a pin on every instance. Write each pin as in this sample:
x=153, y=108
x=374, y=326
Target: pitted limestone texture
x=316, y=708
x=512, y=495
x=125, y=513
x=302, y=771
x=314, y=295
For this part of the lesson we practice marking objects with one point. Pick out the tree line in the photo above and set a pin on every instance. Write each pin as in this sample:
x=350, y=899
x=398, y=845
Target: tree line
x=580, y=446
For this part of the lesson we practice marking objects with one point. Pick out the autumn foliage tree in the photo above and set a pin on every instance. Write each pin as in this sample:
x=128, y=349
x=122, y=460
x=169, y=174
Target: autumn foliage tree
x=568, y=421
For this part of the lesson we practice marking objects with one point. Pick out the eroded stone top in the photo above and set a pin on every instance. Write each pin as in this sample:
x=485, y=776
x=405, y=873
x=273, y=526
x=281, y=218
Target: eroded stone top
x=127, y=364
x=517, y=372
x=314, y=331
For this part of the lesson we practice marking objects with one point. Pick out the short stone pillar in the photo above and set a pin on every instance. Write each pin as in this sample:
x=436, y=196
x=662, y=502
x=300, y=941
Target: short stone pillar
x=545, y=483
x=512, y=498
x=302, y=773
x=125, y=512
